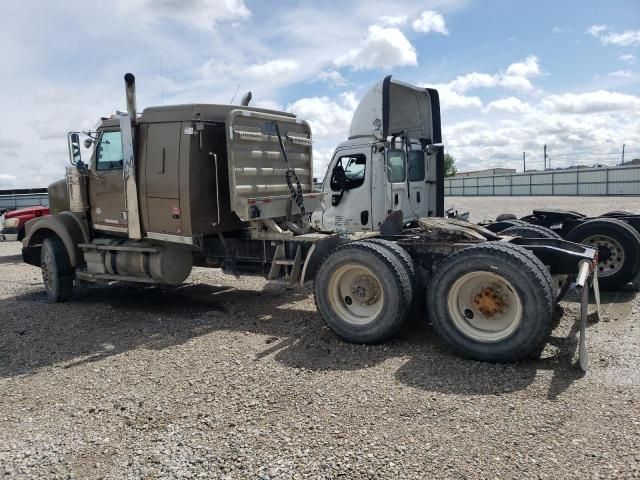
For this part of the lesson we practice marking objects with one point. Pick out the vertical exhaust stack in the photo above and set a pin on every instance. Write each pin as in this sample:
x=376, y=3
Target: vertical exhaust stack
x=130, y=86
x=246, y=98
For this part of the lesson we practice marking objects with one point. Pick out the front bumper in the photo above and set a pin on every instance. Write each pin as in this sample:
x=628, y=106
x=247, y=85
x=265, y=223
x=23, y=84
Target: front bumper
x=8, y=234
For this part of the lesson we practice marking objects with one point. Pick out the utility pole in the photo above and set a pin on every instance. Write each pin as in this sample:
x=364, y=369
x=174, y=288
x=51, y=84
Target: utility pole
x=545, y=156
x=524, y=161
x=623, y=154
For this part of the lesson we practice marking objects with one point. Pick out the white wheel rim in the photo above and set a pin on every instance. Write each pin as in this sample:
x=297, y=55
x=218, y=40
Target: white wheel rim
x=356, y=294
x=484, y=306
x=610, y=254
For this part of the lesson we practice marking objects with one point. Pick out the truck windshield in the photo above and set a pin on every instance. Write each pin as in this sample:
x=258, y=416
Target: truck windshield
x=109, y=154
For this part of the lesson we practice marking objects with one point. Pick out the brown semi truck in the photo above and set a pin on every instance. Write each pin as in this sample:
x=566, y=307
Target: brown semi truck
x=231, y=187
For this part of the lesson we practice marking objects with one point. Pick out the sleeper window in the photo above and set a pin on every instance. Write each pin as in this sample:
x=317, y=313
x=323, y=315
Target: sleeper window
x=416, y=165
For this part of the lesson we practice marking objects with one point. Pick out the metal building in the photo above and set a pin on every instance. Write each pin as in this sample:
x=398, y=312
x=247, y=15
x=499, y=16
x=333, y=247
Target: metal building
x=623, y=180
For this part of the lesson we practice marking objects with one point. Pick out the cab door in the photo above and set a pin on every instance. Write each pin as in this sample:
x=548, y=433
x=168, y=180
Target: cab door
x=417, y=172
x=106, y=184
x=397, y=197
x=347, y=205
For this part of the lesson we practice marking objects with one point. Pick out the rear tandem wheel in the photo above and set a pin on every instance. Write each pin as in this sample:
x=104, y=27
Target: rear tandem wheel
x=618, y=246
x=363, y=292
x=492, y=302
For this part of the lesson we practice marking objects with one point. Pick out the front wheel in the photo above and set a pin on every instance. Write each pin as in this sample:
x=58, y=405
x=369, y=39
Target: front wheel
x=363, y=292
x=491, y=302
x=57, y=272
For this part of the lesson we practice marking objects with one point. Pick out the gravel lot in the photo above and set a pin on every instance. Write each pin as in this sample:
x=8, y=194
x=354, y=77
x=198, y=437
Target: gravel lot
x=228, y=378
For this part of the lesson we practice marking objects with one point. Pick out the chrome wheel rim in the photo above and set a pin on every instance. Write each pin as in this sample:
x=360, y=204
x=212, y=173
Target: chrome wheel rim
x=610, y=254
x=484, y=306
x=356, y=294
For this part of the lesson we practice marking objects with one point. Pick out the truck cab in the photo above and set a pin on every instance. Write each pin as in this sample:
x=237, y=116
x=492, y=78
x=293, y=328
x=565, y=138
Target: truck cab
x=392, y=162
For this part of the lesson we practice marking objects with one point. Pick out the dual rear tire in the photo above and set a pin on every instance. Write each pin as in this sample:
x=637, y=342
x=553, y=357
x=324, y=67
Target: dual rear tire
x=363, y=292
x=492, y=301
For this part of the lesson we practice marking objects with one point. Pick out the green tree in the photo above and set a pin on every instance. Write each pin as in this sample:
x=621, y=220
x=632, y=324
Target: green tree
x=449, y=165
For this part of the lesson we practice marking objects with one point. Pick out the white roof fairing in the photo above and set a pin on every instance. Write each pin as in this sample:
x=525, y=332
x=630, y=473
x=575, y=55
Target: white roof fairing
x=391, y=106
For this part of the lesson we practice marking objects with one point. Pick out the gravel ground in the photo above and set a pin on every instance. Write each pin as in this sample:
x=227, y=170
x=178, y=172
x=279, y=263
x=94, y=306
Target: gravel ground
x=235, y=378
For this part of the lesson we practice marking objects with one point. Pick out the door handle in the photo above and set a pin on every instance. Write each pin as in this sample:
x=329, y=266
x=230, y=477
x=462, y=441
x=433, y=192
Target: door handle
x=164, y=154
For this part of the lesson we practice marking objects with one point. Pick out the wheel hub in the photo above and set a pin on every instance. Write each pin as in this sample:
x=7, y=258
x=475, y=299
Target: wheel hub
x=611, y=255
x=484, y=306
x=365, y=289
x=489, y=302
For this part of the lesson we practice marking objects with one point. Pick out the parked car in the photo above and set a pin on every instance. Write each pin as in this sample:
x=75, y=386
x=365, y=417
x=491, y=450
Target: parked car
x=13, y=222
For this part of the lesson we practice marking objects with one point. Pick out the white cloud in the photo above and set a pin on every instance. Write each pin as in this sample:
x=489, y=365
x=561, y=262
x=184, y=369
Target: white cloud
x=596, y=30
x=462, y=83
x=203, y=14
x=516, y=78
x=528, y=68
x=266, y=103
x=7, y=181
x=508, y=104
x=9, y=148
x=393, y=20
x=629, y=58
x=430, y=21
x=628, y=38
x=450, y=99
x=263, y=76
x=272, y=69
x=598, y=101
x=512, y=82
x=333, y=78
x=327, y=117
x=625, y=39
x=383, y=48
x=620, y=73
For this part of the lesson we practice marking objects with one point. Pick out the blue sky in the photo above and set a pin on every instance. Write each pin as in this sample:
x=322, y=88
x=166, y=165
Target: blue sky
x=513, y=75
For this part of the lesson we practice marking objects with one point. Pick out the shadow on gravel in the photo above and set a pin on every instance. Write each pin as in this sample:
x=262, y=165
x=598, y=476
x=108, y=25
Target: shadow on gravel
x=106, y=321
x=12, y=259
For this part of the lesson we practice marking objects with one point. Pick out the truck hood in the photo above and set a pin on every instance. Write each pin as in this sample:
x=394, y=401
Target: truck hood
x=28, y=211
x=392, y=106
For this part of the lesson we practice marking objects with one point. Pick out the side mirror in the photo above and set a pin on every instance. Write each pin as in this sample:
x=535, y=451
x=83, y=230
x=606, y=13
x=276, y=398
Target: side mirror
x=74, y=148
x=88, y=142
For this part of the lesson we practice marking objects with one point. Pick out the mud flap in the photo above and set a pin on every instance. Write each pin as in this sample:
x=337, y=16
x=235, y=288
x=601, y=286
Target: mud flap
x=582, y=284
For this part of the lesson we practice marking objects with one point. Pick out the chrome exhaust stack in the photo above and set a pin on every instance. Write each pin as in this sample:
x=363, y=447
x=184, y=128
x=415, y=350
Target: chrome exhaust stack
x=130, y=87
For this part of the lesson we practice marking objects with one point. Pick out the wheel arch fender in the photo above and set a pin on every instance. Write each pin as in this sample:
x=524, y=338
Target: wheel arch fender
x=71, y=228
x=317, y=253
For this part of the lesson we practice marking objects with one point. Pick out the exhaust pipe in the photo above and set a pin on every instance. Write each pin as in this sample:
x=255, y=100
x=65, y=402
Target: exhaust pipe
x=246, y=98
x=130, y=87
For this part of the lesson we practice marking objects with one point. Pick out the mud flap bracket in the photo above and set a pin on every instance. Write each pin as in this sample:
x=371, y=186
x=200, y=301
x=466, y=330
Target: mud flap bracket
x=582, y=285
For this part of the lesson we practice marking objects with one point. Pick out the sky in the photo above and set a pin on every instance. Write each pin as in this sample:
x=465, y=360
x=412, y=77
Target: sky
x=512, y=75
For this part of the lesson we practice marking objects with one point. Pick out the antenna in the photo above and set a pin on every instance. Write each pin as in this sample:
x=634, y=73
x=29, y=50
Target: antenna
x=234, y=95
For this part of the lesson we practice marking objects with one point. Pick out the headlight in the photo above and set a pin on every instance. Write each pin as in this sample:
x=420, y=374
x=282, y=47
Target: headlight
x=11, y=222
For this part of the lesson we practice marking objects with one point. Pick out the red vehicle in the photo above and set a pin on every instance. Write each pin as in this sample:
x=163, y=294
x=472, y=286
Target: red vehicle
x=13, y=221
